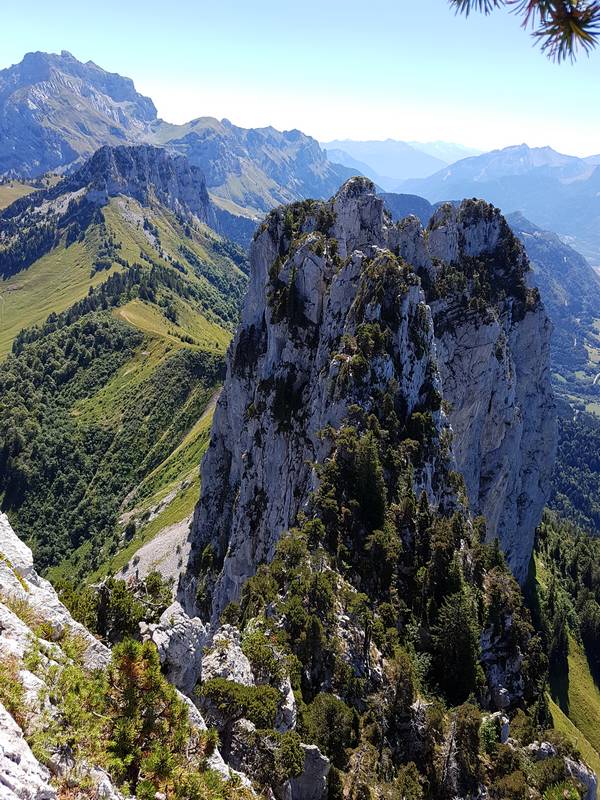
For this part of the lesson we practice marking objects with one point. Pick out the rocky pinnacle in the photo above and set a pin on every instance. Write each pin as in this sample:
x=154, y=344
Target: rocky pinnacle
x=470, y=346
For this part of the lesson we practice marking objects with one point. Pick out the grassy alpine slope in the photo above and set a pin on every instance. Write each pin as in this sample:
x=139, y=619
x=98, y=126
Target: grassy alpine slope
x=105, y=392
x=13, y=190
x=566, y=587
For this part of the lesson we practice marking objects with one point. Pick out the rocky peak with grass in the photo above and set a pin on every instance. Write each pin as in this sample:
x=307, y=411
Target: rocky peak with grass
x=146, y=173
x=311, y=346
x=36, y=223
x=378, y=462
x=346, y=311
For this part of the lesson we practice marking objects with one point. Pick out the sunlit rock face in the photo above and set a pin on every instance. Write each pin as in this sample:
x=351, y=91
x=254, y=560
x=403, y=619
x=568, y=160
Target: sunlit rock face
x=470, y=344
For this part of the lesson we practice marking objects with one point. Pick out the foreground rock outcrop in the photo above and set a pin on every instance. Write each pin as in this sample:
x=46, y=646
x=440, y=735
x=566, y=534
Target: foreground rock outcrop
x=386, y=417
x=37, y=631
x=30, y=611
x=21, y=774
x=22, y=588
x=39, y=639
x=468, y=334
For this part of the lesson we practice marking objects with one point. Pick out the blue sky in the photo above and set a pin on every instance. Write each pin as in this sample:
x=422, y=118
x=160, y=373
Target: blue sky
x=404, y=69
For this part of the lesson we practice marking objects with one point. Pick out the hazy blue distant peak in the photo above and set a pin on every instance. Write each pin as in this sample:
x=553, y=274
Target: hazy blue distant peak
x=342, y=157
x=518, y=160
x=446, y=151
x=556, y=191
x=391, y=159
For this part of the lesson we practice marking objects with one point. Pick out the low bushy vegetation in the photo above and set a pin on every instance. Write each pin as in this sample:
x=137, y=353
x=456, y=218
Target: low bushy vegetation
x=114, y=609
x=127, y=720
x=376, y=601
x=571, y=599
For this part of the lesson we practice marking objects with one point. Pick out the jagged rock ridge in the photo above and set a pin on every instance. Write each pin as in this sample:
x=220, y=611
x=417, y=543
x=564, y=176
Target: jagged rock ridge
x=55, y=109
x=493, y=353
x=482, y=348
x=254, y=169
x=387, y=384
x=145, y=173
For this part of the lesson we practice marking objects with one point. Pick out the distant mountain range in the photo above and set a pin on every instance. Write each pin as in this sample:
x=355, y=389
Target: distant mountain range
x=390, y=162
x=387, y=163
x=517, y=160
x=555, y=191
x=55, y=111
x=446, y=151
x=570, y=289
x=248, y=171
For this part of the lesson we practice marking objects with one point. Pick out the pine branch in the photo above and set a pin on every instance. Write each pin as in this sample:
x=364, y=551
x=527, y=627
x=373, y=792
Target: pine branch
x=561, y=27
x=466, y=6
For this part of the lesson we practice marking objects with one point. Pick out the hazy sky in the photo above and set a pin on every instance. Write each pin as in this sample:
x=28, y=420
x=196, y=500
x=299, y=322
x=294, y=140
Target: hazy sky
x=404, y=69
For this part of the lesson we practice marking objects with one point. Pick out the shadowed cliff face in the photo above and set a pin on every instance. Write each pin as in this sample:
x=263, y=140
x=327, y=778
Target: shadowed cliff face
x=460, y=326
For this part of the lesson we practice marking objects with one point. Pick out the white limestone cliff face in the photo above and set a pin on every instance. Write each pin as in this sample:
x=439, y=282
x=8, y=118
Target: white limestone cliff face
x=21, y=774
x=180, y=641
x=291, y=375
x=495, y=370
x=20, y=582
x=483, y=348
x=146, y=173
